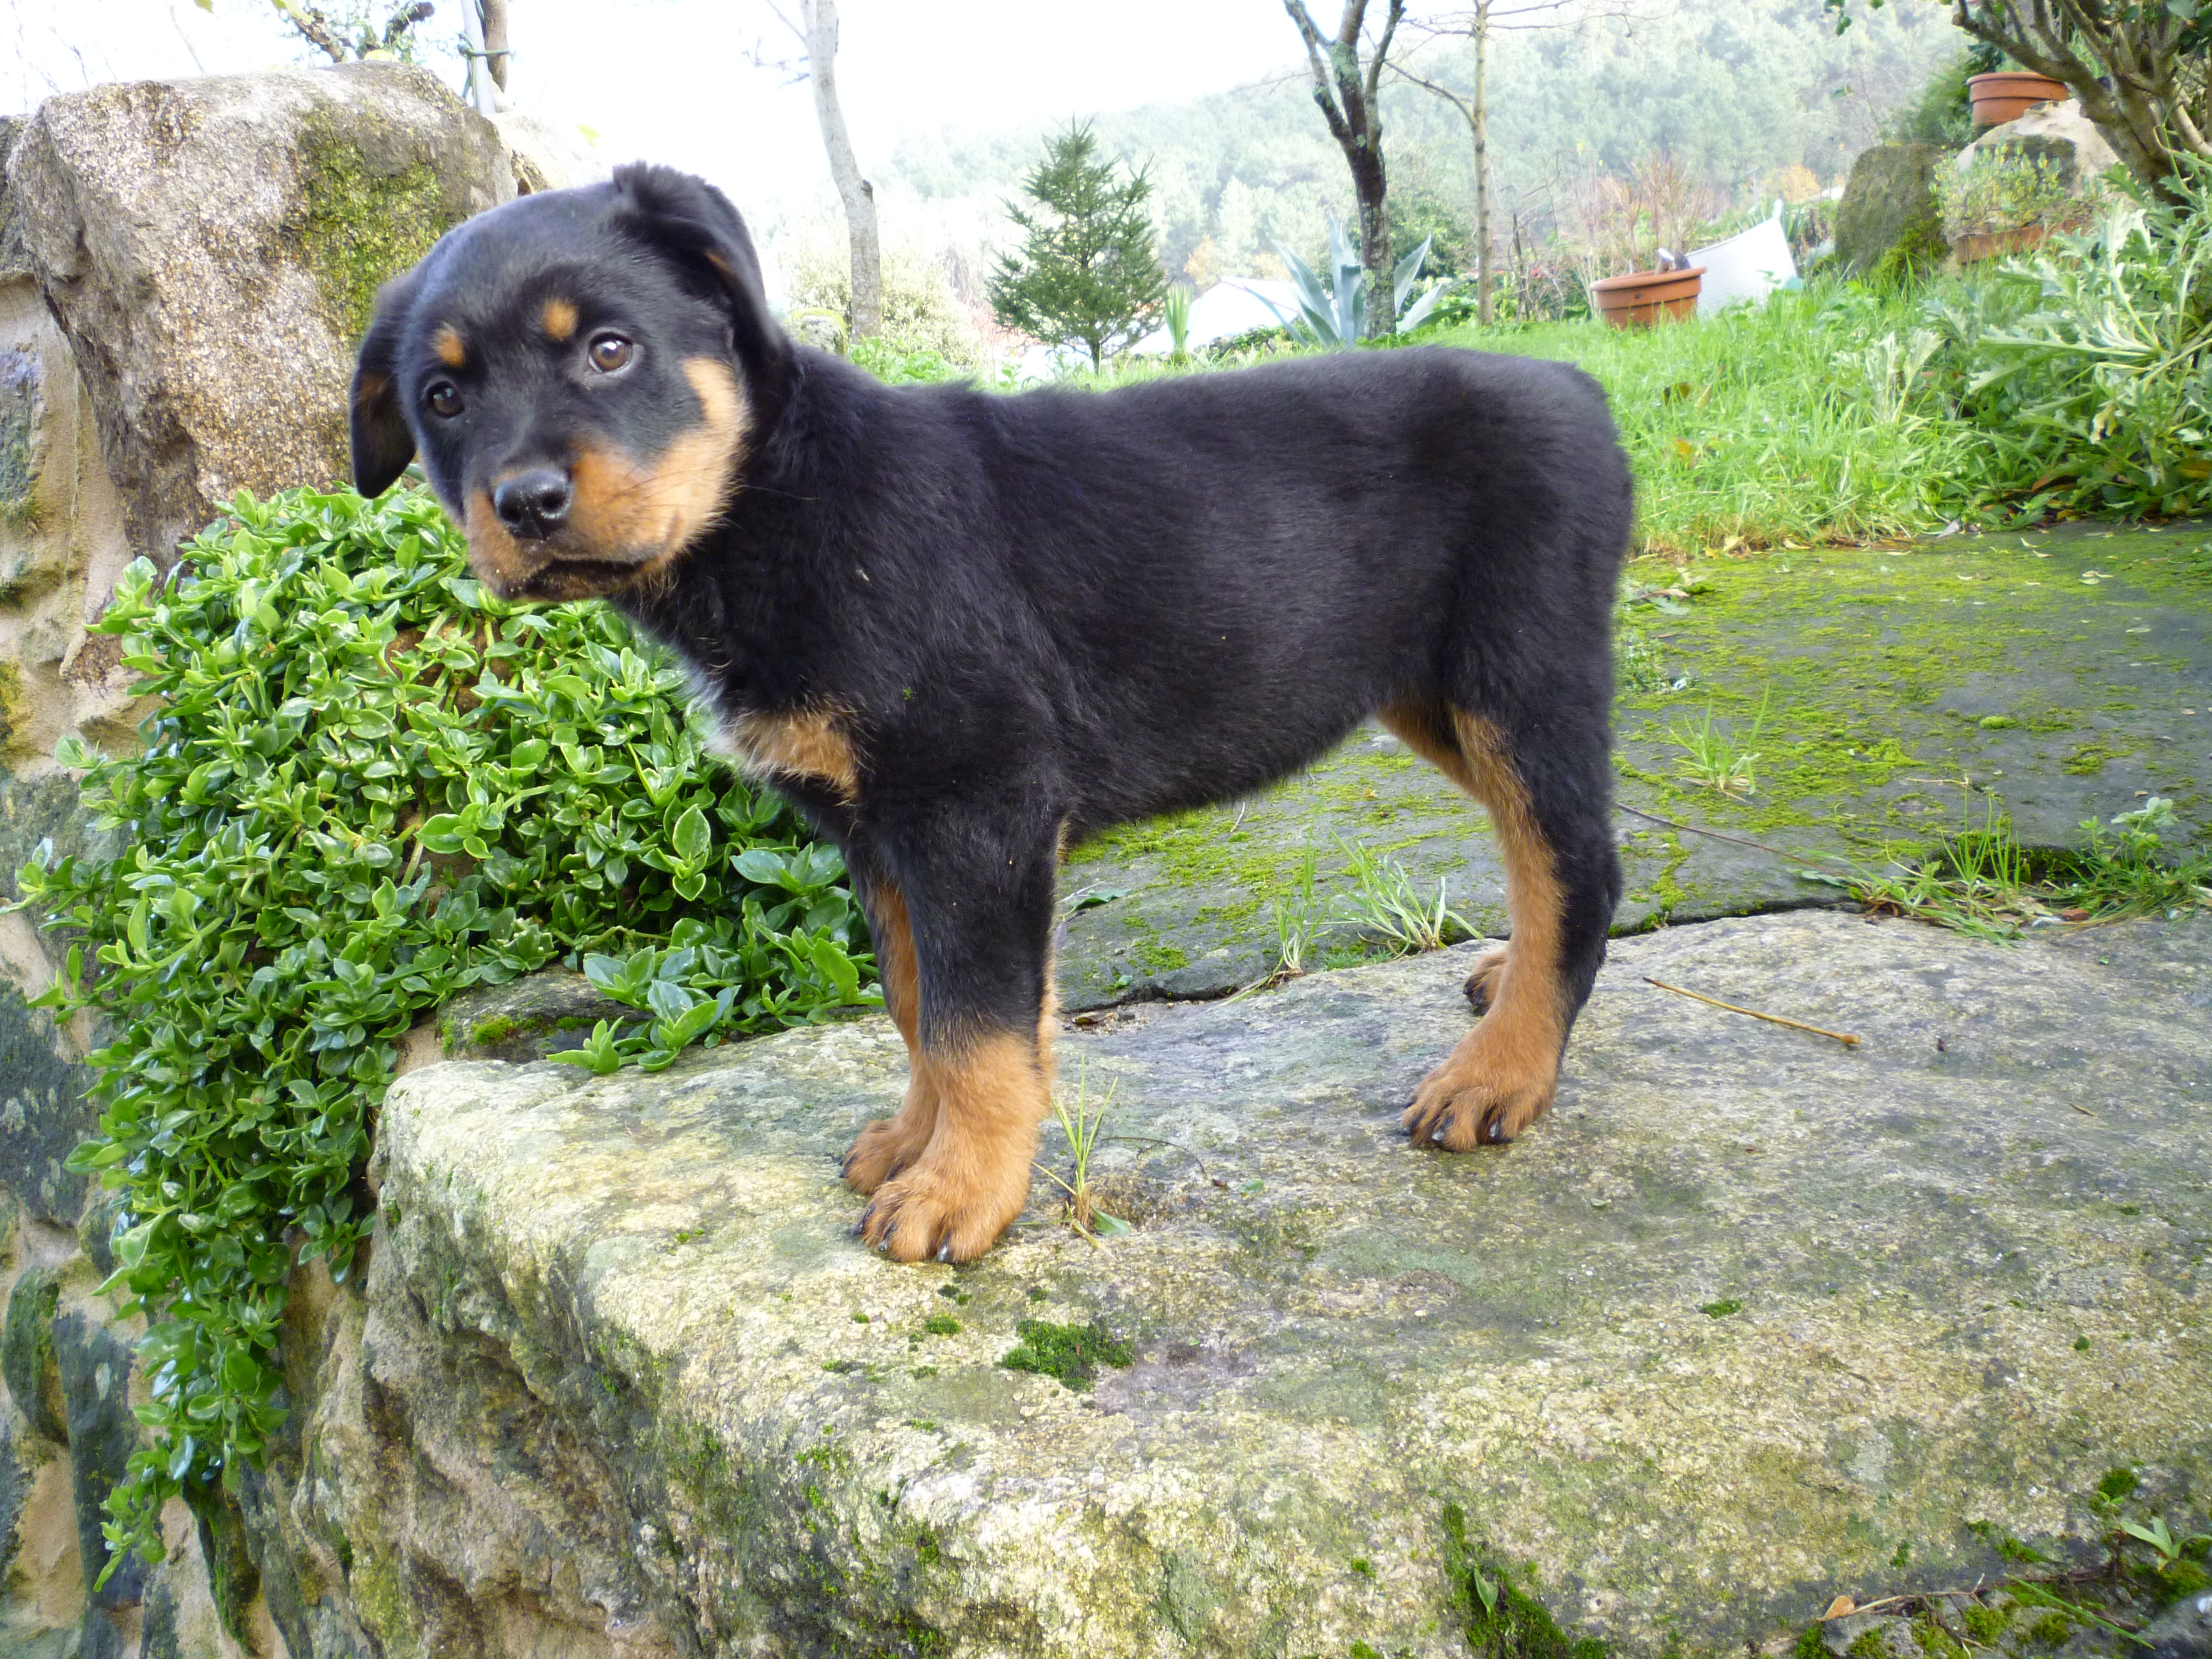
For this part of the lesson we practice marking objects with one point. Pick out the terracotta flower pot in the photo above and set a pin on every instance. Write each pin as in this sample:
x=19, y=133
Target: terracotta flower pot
x=2007, y=95
x=1973, y=245
x=1644, y=297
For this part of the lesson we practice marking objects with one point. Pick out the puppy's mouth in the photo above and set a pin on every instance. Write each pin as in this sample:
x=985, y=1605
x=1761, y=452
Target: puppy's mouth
x=554, y=568
x=560, y=579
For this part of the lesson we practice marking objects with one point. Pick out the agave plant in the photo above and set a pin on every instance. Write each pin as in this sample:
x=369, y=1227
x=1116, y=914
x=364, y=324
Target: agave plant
x=1178, y=308
x=1335, y=316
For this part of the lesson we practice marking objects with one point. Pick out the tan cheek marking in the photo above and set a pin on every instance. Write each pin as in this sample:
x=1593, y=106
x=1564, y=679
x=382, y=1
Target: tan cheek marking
x=448, y=346
x=559, y=317
x=624, y=509
x=807, y=744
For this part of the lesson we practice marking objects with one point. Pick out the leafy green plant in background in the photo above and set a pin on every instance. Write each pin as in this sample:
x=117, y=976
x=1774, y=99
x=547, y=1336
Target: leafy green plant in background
x=1982, y=881
x=1178, y=317
x=2007, y=189
x=2092, y=363
x=368, y=784
x=1381, y=901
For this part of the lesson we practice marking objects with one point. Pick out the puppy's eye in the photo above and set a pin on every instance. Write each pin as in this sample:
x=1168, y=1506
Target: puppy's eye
x=444, y=399
x=611, y=352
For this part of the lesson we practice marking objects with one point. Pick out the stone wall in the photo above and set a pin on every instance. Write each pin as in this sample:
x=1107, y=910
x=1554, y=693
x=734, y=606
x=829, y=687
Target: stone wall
x=184, y=269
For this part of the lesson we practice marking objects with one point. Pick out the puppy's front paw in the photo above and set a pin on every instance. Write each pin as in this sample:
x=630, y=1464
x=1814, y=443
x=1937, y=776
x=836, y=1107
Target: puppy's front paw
x=1471, y=1100
x=1486, y=984
x=882, y=1149
x=928, y=1213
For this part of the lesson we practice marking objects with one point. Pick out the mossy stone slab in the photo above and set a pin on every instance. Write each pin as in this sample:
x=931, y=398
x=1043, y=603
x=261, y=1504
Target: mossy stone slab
x=1752, y=1318
x=1888, y=694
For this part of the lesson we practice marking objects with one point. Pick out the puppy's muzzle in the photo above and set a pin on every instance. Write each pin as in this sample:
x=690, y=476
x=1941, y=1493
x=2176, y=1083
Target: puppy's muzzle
x=533, y=505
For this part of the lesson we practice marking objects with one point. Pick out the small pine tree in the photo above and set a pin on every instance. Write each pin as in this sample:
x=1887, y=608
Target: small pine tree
x=1087, y=274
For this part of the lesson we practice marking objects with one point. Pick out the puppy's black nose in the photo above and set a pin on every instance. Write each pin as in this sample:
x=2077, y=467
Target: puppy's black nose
x=533, y=504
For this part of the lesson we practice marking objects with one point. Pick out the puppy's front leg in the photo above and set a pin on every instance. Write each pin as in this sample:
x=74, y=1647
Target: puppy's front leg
x=980, y=902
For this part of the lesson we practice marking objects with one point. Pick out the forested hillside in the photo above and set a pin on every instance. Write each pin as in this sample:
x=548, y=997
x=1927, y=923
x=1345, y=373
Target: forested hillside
x=1734, y=90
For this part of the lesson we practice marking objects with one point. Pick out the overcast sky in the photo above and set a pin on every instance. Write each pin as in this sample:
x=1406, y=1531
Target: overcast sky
x=668, y=80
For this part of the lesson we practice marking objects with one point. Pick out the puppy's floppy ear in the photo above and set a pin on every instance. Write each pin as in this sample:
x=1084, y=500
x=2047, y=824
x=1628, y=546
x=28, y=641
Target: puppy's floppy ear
x=382, y=445
x=691, y=223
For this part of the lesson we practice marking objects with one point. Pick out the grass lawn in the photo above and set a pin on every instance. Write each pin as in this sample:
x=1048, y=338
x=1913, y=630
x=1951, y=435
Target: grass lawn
x=1799, y=421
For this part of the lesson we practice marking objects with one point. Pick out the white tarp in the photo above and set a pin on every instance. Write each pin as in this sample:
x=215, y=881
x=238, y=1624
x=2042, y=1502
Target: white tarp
x=1749, y=265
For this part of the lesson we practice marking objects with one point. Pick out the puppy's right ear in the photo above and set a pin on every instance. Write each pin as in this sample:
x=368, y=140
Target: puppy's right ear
x=382, y=444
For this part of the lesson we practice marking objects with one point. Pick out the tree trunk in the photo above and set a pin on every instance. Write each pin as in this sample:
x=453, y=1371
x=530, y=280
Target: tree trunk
x=493, y=14
x=856, y=192
x=1348, y=95
x=1483, y=308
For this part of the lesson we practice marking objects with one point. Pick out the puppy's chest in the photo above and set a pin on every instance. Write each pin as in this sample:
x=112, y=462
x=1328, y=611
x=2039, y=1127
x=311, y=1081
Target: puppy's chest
x=812, y=745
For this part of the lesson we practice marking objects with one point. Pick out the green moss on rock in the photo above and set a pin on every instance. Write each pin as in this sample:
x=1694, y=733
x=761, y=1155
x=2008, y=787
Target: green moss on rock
x=1071, y=1353
x=1503, y=1621
x=361, y=227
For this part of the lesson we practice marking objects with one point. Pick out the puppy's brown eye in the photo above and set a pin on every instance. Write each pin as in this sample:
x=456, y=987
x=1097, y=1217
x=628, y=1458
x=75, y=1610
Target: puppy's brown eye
x=611, y=352
x=444, y=399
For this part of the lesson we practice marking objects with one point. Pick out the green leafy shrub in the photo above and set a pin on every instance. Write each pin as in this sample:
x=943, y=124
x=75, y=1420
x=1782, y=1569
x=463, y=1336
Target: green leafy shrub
x=368, y=784
x=2092, y=361
x=2010, y=189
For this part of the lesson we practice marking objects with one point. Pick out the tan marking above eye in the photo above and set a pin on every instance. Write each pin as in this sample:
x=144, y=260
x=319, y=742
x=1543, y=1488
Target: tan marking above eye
x=447, y=343
x=559, y=317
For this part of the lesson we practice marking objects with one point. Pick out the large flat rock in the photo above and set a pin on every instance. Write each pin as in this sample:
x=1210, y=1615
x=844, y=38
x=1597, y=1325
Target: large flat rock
x=1751, y=1319
x=1889, y=693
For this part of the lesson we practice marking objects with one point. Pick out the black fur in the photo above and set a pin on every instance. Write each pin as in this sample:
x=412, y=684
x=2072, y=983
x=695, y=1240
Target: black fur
x=1044, y=614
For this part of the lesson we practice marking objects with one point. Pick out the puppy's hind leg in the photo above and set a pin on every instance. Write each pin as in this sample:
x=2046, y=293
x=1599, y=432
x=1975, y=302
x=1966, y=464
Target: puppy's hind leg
x=889, y=1144
x=1548, y=799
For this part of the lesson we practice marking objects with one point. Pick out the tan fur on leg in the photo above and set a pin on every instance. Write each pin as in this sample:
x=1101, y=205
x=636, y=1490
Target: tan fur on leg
x=972, y=1180
x=1503, y=1074
x=1049, y=1021
x=889, y=1144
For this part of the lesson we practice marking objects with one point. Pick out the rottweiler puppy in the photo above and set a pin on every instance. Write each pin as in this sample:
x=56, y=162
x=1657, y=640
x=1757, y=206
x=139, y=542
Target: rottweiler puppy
x=963, y=631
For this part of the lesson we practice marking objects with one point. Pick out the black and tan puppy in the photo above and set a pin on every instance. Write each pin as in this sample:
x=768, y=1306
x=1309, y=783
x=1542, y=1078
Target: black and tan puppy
x=963, y=631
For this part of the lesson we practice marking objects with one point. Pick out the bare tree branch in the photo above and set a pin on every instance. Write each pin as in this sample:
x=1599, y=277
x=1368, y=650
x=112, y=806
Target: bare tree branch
x=492, y=15
x=315, y=28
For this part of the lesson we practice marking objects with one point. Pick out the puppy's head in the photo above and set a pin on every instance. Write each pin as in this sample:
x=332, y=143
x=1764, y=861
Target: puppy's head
x=583, y=373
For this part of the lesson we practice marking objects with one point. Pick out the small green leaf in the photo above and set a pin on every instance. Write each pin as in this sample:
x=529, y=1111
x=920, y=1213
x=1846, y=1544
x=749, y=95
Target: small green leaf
x=692, y=839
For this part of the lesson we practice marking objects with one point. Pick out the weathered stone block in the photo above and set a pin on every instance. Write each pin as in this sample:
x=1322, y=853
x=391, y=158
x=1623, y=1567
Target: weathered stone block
x=212, y=247
x=1754, y=1317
